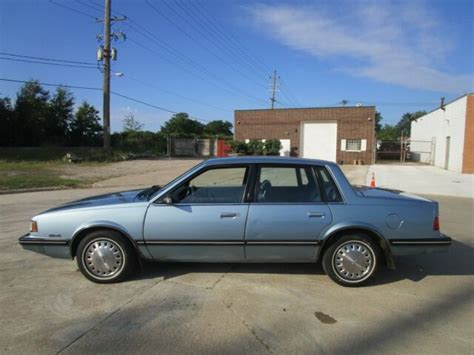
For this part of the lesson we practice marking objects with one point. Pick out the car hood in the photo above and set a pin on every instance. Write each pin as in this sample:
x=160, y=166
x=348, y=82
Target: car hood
x=379, y=192
x=114, y=198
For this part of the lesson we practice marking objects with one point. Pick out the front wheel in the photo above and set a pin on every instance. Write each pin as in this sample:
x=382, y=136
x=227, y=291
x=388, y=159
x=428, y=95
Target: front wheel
x=352, y=260
x=105, y=256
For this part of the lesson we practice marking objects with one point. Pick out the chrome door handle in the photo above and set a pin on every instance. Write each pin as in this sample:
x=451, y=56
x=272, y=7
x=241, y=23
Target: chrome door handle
x=316, y=214
x=229, y=215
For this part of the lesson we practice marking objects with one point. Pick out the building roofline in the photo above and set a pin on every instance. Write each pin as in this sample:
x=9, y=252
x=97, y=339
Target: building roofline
x=304, y=108
x=448, y=103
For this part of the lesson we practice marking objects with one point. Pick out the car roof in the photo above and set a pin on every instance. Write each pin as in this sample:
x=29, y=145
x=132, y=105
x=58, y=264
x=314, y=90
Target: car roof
x=265, y=159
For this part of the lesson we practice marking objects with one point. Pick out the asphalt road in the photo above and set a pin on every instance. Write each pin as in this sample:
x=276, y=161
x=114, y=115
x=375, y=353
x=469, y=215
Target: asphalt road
x=47, y=306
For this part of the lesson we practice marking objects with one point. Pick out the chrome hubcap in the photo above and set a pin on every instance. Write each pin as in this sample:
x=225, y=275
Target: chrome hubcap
x=103, y=258
x=354, y=261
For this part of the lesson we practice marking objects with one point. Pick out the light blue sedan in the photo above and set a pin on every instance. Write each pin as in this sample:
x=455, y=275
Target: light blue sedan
x=247, y=209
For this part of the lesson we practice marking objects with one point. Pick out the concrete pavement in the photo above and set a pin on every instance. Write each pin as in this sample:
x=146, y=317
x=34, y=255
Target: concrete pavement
x=47, y=306
x=422, y=179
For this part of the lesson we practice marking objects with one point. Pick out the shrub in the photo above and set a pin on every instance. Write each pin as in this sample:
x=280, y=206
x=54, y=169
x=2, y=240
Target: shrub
x=255, y=147
x=238, y=147
x=272, y=147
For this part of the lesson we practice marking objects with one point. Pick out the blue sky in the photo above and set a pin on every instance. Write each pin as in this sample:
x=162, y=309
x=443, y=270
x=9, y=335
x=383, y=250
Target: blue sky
x=216, y=56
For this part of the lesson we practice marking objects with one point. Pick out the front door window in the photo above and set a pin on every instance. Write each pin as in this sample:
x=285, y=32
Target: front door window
x=213, y=186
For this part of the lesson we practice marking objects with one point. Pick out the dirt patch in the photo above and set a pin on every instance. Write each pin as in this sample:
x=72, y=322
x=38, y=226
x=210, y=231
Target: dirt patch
x=143, y=172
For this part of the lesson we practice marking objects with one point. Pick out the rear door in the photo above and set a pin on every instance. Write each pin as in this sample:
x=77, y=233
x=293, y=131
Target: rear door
x=287, y=215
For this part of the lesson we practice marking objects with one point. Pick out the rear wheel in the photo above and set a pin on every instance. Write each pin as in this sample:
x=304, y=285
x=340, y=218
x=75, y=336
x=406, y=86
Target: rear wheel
x=352, y=260
x=105, y=256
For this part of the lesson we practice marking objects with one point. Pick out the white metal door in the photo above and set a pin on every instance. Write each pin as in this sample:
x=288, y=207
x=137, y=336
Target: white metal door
x=285, y=147
x=319, y=140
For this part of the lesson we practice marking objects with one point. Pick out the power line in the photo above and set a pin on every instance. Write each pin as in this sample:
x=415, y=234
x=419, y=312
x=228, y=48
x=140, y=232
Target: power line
x=73, y=9
x=92, y=5
x=217, y=40
x=55, y=85
x=100, y=89
x=47, y=59
x=230, y=40
x=185, y=61
x=193, y=38
x=151, y=37
x=154, y=106
x=230, y=37
x=49, y=63
x=286, y=88
x=176, y=94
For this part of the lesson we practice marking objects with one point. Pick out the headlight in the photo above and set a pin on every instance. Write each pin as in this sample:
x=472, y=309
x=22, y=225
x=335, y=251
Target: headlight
x=34, y=227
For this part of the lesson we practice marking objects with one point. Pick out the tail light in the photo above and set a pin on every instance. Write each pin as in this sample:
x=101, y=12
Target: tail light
x=436, y=224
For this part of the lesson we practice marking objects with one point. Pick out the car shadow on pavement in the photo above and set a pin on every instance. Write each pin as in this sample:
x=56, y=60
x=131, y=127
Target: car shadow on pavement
x=458, y=261
x=170, y=270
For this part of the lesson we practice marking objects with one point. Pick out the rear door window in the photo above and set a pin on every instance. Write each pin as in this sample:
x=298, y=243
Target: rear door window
x=287, y=184
x=328, y=185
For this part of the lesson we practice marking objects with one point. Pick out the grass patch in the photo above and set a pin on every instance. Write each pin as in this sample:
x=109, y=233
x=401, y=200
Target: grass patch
x=30, y=175
x=85, y=154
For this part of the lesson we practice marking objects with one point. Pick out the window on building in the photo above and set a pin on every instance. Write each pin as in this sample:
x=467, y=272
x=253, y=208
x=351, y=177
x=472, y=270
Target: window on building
x=353, y=144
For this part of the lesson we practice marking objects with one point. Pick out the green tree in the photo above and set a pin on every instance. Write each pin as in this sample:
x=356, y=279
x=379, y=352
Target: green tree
x=85, y=129
x=404, y=125
x=61, y=109
x=378, y=121
x=31, y=111
x=218, y=128
x=388, y=132
x=130, y=124
x=180, y=125
x=6, y=122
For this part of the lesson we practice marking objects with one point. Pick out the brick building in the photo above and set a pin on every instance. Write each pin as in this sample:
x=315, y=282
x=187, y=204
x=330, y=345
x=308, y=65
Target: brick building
x=340, y=134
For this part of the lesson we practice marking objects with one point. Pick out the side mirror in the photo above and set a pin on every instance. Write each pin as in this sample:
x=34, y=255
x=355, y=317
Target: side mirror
x=168, y=200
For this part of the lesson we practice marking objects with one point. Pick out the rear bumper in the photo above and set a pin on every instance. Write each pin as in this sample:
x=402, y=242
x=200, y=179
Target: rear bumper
x=420, y=245
x=47, y=246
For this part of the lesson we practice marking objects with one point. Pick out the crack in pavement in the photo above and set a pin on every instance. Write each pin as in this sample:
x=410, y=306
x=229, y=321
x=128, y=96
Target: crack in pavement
x=221, y=277
x=107, y=317
x=220, y=298
x=246, y=325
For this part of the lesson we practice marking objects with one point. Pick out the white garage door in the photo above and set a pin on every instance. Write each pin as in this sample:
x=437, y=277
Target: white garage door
x=320, y=140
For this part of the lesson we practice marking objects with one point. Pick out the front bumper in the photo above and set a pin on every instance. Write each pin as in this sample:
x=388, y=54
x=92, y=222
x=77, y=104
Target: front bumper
x=47, y=246
x=420, y=245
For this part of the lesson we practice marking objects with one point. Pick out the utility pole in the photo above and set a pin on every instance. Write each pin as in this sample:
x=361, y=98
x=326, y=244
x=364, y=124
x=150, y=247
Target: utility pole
x=274, y=88
x=106, y=85
x=106, y=53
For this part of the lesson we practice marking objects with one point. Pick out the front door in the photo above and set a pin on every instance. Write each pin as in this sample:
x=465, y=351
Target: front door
x=287, y=216
x=203, y=219
x=446, y=157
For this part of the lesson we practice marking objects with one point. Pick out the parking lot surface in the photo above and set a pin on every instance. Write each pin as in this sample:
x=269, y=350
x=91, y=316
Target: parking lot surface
x=425, y=179
x=47, y=306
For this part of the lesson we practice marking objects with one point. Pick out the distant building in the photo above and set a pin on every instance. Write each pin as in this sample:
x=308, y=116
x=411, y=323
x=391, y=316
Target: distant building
x=450, y=128
x=339, y=134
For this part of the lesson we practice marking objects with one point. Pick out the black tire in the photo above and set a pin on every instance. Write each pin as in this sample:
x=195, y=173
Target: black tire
x=352, y=260
x=105, y=256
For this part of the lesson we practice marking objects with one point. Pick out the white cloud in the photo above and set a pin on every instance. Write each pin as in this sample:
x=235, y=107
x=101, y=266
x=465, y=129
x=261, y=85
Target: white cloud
x=398, y=43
